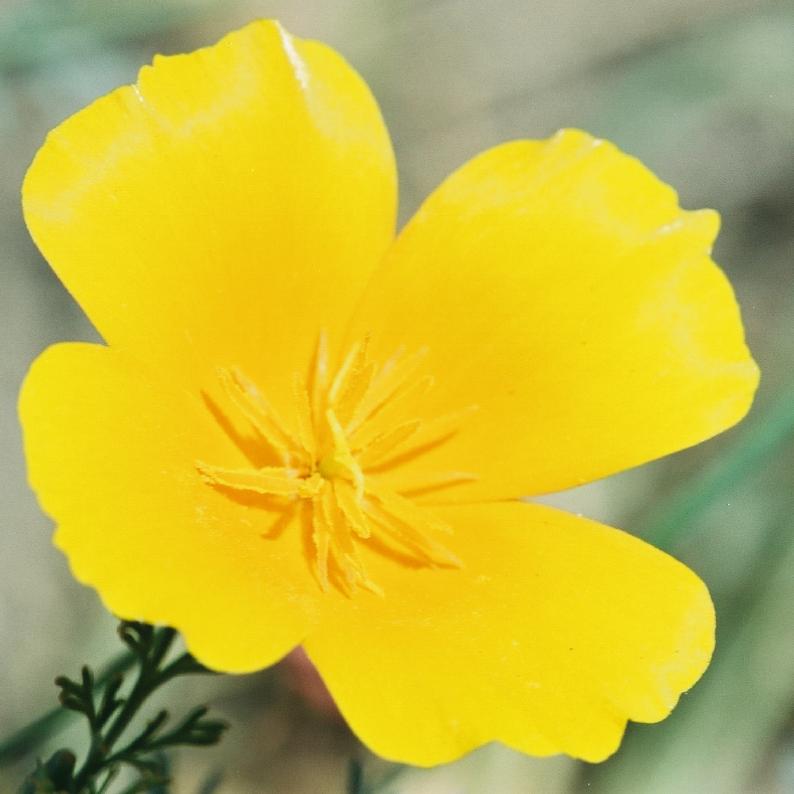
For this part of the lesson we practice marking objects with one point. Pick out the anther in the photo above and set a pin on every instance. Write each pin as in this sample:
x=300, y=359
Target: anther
x=347, y=427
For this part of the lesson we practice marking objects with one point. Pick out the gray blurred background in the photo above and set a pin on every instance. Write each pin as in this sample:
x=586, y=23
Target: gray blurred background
x=703, y=92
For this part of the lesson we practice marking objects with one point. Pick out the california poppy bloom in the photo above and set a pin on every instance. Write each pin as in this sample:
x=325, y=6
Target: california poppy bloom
x=302, y=429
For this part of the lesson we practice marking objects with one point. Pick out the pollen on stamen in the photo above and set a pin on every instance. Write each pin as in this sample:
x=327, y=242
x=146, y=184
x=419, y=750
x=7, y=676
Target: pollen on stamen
x=347, y=425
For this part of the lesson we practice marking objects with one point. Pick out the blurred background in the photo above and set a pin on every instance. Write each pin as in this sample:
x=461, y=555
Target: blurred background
x=703, y=92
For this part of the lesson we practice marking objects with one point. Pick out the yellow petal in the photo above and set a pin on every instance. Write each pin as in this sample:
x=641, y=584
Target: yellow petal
x=111, y=454
x=555, y=632
x=559, y=287
x=223, y=209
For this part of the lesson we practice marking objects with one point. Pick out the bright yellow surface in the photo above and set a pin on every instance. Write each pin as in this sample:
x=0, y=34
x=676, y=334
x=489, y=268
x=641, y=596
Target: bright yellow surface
x=111, y=451
x=549, y=316
x=559, y=287
x=223, y=210
x=556, y=632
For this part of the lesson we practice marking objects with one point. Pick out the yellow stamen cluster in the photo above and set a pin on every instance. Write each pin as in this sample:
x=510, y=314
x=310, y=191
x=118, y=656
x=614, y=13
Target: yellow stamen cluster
x=347, y=429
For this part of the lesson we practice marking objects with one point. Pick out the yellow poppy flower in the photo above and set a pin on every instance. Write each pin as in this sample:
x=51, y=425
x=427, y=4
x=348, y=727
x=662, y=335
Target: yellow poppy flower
x=303, y=430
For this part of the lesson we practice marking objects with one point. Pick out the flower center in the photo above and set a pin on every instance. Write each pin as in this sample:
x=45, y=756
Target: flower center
x=348, y=432
x=331, y=466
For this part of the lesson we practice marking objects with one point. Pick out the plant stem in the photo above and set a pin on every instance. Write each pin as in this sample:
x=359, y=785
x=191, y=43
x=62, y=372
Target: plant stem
x=32, y=735
x=147, y=681
x=764, y=436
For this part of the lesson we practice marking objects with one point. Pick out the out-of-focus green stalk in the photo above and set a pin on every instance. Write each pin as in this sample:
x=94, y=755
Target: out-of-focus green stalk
x=34, y=734
x=358, y=785
x=764, y=435
x=748, y=688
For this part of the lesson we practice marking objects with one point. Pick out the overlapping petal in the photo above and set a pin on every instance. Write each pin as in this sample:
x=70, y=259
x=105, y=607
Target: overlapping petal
x=555, y=633
x=111, y=452
x=223, y=209
x=559, y=287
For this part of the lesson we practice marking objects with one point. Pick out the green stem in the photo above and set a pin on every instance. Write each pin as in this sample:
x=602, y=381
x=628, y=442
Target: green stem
x=148, y=680
x=357, y=784
x=34, y=734
x=397, y=771
x=764, y=436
